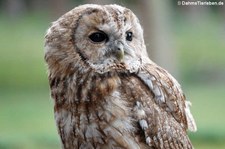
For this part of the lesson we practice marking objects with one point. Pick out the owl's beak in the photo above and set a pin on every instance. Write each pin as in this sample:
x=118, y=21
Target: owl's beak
x=118, y=50
x=119, y=53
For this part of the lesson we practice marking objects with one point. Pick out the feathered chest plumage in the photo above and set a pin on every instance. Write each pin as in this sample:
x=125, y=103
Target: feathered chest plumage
x=92, y=111
x=113, y=110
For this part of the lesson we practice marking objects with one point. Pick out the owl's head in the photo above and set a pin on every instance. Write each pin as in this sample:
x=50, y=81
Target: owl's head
x=103, y=37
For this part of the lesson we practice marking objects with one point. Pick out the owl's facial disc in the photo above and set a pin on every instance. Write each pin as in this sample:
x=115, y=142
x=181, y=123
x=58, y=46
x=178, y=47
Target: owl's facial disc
x=107, y=37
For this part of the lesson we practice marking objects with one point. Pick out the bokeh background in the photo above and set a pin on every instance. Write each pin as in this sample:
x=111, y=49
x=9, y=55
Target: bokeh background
x=189, y=41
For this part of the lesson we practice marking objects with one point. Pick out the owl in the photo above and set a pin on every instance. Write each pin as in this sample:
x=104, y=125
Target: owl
x=107, y=92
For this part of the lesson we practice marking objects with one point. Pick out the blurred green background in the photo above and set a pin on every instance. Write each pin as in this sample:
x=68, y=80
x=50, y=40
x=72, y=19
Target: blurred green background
x=189, y=41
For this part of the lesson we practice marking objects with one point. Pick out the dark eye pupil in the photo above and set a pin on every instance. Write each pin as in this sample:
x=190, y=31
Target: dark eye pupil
x=129, y=36
x=98, y=37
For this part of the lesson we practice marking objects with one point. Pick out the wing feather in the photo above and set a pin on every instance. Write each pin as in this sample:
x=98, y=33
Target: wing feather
x=167, y=94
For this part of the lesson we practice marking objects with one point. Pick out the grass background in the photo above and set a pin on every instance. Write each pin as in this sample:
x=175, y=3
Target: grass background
x=26, y=110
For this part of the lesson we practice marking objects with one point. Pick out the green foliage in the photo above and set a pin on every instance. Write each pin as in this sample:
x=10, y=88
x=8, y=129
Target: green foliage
x=208, y=110
x=21, y=53
x=27, y=120
x=200, y=46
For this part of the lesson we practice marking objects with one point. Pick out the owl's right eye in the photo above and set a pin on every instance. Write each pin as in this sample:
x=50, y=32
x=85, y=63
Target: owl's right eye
x=98, y=37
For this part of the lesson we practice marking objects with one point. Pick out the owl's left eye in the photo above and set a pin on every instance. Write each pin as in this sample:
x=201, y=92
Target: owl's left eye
x=98, y=37
x=129, y=36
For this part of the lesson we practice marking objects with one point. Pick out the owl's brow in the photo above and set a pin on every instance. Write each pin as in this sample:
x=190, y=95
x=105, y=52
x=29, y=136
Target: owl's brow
x=117, y=15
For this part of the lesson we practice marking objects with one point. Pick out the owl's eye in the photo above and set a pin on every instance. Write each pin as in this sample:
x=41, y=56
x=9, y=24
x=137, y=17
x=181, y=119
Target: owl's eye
x=129, y=36
x=98, y=37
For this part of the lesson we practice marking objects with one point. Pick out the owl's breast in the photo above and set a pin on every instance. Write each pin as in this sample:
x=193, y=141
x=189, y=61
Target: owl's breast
x=104, y=86
x=99, y=111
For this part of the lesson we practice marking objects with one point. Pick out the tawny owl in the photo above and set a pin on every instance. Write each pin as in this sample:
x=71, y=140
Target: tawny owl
x=107, y=93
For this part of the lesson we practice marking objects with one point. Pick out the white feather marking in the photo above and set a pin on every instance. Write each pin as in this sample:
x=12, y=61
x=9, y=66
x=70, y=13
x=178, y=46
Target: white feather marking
x=143, y=124
x=138, y=104
x=157, y=91
x=146, y=79
x=148, y=141
x=149, y=83
x=138, y=109
x=190, y=120
x=158, y=94
x=141, y=113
